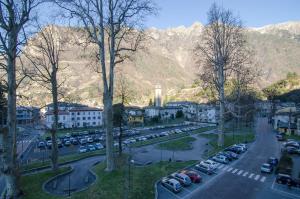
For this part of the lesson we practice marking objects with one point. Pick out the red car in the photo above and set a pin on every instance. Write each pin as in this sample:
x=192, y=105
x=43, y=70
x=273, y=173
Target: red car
x=194, y=176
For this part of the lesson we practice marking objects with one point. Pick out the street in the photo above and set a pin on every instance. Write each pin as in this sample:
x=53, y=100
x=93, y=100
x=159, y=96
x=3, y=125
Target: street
x=242, y=179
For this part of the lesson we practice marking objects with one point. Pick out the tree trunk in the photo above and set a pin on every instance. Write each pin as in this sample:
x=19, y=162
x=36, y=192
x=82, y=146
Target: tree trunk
x=11, y=172
x=108, y=123
x=222, y=108
x=120, y=139
x=54, y=151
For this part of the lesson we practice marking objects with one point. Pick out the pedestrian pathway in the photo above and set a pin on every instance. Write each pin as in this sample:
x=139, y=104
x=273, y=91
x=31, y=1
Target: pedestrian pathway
x=80, y=178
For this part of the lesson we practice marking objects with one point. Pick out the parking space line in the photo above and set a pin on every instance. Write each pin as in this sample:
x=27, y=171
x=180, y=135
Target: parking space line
x=263, y=179
x=229, y=169
x=234, y=171
x=252, y=174
x=256, y=177
x=245, y=174
x=240, y=172
x=221, y=166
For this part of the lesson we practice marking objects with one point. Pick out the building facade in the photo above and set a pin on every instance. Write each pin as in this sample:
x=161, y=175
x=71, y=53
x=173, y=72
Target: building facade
x=27, y=115
x=76, y=117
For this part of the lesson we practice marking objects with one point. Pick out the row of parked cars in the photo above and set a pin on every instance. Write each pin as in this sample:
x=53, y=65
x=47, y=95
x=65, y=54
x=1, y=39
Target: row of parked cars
x=291, y=146
x=180, y=179
x=90, y=147
x=184, y=178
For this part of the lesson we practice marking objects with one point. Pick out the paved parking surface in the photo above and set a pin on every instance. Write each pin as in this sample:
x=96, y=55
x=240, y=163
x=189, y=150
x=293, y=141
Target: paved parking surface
x=241, y=179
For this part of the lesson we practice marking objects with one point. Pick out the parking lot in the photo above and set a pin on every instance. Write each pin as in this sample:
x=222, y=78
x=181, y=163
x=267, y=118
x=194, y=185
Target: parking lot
x=86, y=141
x=221, y=169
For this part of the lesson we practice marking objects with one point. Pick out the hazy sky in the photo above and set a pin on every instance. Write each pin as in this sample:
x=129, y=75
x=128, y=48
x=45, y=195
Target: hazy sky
x=254, y=13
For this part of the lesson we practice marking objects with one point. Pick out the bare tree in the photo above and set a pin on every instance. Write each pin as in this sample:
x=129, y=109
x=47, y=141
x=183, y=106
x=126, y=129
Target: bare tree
x=113, y=26
x=221, y=52
x=123, y=95
x=44, y=56
x=13, y=17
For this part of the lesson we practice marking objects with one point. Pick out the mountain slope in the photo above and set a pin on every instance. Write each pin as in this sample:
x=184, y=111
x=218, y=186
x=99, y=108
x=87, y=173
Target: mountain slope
x=168, y=59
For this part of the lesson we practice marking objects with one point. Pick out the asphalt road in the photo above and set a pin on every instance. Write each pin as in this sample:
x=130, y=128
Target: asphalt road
x=239, y=184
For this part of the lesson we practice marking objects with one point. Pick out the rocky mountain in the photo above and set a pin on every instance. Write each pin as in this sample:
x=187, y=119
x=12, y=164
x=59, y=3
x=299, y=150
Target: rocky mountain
x=167, y=58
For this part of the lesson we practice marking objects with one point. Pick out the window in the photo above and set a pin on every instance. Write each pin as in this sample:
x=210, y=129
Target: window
x=89, y=118
x=94, y=113
x=73, y=118
x=94, y=118
x=78, y=124
x=78, y=113
x=83, y=113
x=73, y=113
x=99, y=117
x=83, y=118
x=64, y=117
x=78, y=118
x=94, y=123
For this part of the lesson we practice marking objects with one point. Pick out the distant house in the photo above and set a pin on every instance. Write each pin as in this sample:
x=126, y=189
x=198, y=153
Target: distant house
x=189, y=108
x=151, y=112
x=285, y=120
x=65, y=106
x=27, y=115
x=74, y=117
x=169, y=112
x=134, y=115
x=207, y=113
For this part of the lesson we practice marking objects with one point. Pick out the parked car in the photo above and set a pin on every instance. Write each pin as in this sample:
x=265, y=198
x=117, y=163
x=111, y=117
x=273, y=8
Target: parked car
x=90, y=140
x=83, y=141
x=221, y=159
x=49, y=144
x=285, y=179
x=67, y=143
x=171, y=184
x=91, y=147
x=82, y=149
x=59, y=144
x=232, y=154
x=194, y=176
x=291, y=150
x=75, y=142
x=99, y=146
x=237, y=150
x=266, y=168
x=291, y=144
x=204, y=169
x=41, y=145
x=210, y=163
x=273, y=161
x=182, y=178
x=280, y=137
x=227, y=155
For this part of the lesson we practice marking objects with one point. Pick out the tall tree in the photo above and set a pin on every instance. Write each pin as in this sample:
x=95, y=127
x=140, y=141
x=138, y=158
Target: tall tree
x=124, y=95
x=222, y=51
x=13, y=17
x=44, y=56
x=113, y=26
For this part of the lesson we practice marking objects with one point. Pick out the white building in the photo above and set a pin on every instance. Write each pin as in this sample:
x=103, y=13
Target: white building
x=76, y=117
x=207, y=113
x=151, y=112
x=169, y=112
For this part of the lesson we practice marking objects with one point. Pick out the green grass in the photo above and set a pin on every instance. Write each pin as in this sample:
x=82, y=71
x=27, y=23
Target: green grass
x=295, y=137
x=32, y=184
x=178, y=145
x=110, y=185
x=63, y=159
x=228, y=141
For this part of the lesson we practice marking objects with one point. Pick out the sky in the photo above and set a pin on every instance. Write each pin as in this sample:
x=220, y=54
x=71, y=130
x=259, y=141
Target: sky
x=253, y=13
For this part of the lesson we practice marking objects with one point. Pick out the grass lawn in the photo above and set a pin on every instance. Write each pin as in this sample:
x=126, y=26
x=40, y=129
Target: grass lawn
x=32, y=184
x=111, y=185
x=295, y=137
x=64, y=159
x=228, y=141
x=178, y=145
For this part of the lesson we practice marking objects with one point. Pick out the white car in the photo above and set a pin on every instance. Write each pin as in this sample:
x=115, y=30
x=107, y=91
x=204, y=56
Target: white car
x=210, y=163
x=82, y=149
x=99, y=146
x=221, y=159
x=266, y=168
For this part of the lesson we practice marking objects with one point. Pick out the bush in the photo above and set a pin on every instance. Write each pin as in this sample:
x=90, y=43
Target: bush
x=285, y=164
